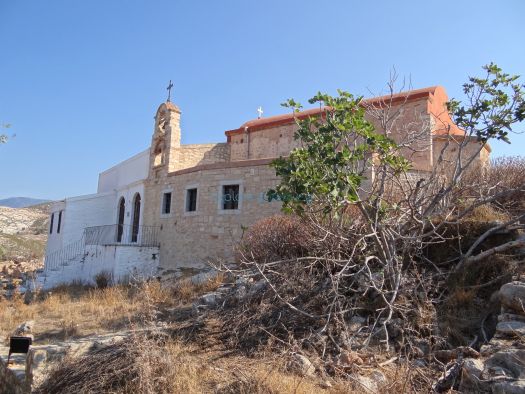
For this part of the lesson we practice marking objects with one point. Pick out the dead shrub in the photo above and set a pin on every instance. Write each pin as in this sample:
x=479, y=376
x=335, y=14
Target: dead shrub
x=275, y=238
x=470, y=311
x=103, y=279
x=487, y=214
x=114, y=368
x=508, y=173
x=457, y=238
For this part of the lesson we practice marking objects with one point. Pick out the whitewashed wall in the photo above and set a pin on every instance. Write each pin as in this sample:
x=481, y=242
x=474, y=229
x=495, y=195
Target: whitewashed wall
x=87, y=211
x=125, y=173
x=123, y=180
x=128, y=192
x=54, y=239
x=122, y=263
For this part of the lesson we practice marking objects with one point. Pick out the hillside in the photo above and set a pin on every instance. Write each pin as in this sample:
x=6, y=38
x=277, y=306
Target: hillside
x=21, y=202
x=23, y=232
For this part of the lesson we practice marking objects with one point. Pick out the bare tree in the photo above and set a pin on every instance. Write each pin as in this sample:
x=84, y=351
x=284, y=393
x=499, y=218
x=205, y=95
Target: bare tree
x=372, y=215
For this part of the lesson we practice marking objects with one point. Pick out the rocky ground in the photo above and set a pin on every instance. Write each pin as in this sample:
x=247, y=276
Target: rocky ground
x=79, y=322
x=500, y=365
x=14, y=275
x=23, y=236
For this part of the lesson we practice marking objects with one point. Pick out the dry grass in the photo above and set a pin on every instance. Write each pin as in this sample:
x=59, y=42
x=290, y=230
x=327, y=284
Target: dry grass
x=77, y=310
x=148, y=365
x=157, y=363
x=185, y=290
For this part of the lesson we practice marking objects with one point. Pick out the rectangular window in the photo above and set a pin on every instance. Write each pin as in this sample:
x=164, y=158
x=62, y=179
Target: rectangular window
x=51, y=223
x=230, y=197
x=166, y=203
x=191, y=200
x=59, y=221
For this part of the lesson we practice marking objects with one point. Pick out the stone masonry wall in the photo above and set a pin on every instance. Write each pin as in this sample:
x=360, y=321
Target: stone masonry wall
x=274, y=142
x=451, y=151
x=193, y=155
x=189, y=239
x=412, y=120
x=279, y=140
x=12, y=381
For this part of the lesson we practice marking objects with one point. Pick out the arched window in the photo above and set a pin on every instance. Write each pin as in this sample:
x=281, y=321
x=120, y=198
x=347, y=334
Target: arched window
x=157, y=153
x=136, y=218
x=120, y=219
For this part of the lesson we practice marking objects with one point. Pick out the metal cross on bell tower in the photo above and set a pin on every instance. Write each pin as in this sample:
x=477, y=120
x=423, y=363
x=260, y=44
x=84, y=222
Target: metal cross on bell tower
x=170, y=85
x=260, y=112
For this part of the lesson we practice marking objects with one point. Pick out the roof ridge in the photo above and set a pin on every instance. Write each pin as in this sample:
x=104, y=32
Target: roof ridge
x=262, y=123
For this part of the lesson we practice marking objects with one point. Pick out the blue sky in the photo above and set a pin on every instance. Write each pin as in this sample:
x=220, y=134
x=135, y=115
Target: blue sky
x=80, y=80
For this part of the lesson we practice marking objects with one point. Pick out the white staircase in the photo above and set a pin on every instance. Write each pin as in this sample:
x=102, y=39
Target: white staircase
x=61, y=266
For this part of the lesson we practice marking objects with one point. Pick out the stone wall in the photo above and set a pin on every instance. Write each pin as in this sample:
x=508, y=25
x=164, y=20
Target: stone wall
x=190, y=239
x=412, y=123
x=272, y=142
x=193, y=155
x=13, y=379
x=451, y=152
x=413, y=119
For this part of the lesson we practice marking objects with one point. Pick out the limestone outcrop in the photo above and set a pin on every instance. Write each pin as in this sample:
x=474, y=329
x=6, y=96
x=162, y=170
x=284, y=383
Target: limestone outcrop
x=501, y=368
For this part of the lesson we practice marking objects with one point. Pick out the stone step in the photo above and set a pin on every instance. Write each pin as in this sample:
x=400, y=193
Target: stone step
x=13, y=374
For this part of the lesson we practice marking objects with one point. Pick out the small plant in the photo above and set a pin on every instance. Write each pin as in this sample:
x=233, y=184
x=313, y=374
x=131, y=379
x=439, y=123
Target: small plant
x=103, y=279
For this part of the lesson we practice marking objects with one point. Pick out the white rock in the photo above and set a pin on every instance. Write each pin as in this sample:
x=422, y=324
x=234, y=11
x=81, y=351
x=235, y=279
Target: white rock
x=509, y=387
x=511, y=328
x=379, y=377
x=512, y=361
x=301, y=365
x=210, y=299
x=325, y=384
x=366, y=383
x=512, y=296
x=25, y=328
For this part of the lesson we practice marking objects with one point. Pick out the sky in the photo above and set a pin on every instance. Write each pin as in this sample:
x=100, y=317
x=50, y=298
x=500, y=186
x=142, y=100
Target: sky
x=80, y=81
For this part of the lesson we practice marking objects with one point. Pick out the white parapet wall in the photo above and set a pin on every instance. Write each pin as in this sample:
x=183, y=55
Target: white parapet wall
x=121, y=263
x=129, y=171
x=76, y=214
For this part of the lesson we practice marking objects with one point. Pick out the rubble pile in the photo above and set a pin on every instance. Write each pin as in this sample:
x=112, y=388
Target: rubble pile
x=15, y=275
x=501, y=366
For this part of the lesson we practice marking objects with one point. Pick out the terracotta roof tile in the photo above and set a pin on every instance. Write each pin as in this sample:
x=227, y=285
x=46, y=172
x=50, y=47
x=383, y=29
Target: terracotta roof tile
x=437, y=95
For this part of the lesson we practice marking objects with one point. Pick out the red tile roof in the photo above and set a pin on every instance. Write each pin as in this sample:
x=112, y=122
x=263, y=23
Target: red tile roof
x=435, y=94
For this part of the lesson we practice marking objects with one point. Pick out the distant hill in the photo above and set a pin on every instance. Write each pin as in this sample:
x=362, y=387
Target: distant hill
x=21, y=202
x=23, y=232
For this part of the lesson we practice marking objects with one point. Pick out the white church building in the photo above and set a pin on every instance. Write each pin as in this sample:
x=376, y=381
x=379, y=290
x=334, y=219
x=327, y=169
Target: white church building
x=102, y=232
x=173, y=208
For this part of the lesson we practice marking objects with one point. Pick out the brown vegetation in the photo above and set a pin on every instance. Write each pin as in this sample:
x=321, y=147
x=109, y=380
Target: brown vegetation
x=91, y=310
x=173, y=359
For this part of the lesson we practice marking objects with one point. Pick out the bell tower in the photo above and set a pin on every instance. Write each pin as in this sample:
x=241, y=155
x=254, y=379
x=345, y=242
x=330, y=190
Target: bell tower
x=165, y=140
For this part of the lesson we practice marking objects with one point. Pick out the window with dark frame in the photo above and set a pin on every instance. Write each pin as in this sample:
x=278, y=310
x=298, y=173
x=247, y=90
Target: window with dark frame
x=59, y=221
x=191, y=200
x=51, y=223
x=166, y=203
x=230, y=197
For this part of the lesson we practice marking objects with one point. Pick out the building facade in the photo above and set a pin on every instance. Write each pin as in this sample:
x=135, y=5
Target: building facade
x=173, y=208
